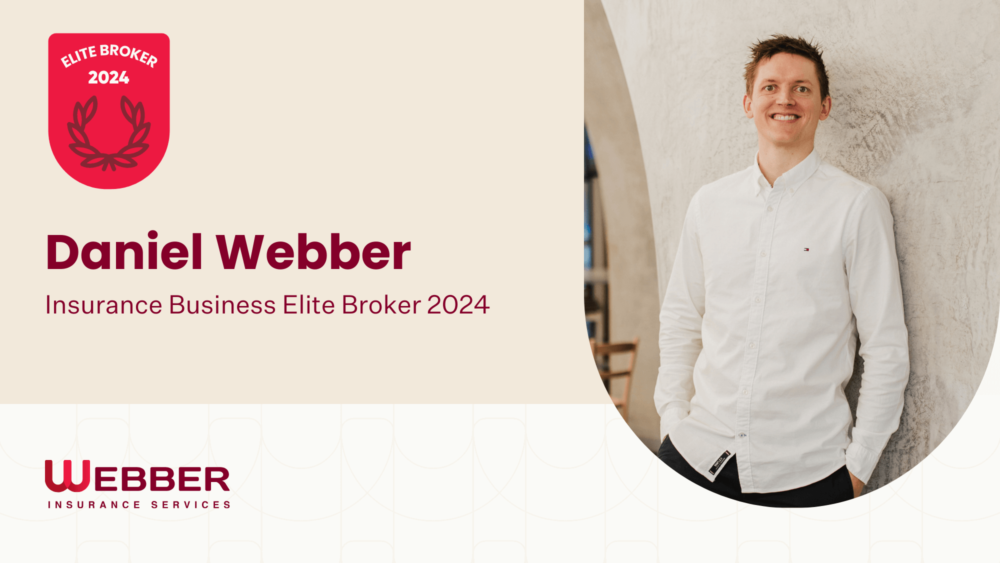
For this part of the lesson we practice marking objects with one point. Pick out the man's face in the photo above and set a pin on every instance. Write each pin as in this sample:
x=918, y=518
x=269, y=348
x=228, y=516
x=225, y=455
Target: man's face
x=785, y=104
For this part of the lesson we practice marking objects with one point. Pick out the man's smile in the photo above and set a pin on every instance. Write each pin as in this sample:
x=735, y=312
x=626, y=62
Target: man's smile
x=784, y=116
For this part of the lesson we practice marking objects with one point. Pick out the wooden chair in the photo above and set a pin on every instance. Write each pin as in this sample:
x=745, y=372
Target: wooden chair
x=608, y=350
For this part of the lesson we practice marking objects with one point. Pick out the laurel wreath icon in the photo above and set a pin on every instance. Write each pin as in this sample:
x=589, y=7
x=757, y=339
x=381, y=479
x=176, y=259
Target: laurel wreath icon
x=92, y=157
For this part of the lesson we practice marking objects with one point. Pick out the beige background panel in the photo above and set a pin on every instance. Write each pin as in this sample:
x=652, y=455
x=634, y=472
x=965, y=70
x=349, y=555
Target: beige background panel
x=914, y=91
x=455, y=126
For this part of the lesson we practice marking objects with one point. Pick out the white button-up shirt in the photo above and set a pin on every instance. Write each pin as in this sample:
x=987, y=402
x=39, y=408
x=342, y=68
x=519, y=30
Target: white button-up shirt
x=769, y=293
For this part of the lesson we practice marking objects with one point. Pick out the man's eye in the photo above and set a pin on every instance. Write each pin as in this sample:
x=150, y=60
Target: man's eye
x=802, y=89
x=769, y=87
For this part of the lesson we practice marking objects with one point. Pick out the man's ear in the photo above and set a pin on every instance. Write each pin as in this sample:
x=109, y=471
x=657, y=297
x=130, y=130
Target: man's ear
x=748, y=108
x=827, y=106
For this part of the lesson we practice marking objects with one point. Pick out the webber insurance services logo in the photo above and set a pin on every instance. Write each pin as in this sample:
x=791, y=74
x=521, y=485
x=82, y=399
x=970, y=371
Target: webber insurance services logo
x=135, y=479
x=109, y=105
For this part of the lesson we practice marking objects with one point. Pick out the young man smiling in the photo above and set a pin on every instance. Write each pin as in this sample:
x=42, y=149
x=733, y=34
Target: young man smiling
x=782, y=268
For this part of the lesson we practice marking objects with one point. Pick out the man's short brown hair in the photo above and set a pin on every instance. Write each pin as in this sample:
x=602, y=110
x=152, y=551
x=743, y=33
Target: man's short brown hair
x=763, y=50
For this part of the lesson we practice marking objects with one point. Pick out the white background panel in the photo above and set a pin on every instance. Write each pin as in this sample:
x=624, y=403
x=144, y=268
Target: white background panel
x=456, y=483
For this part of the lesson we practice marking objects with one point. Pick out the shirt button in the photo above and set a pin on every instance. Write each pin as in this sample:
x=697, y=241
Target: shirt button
x=769, y=209
x=745, y=392
x=751, y=344
x=762, y=253
x=757, y=300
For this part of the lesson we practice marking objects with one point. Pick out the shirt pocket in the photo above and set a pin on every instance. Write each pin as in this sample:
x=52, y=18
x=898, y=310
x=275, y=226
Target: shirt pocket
x=806, y=275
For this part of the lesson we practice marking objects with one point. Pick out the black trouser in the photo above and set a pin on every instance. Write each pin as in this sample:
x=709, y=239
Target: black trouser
x=837, y=487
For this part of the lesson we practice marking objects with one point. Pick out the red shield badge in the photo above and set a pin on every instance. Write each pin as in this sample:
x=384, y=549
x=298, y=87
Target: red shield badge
x=109, y=105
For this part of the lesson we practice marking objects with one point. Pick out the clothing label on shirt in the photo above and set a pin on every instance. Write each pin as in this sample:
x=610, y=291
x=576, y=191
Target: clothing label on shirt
x=718, y=463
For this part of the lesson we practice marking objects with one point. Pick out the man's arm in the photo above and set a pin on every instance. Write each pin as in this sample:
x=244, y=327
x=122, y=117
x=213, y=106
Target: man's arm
x=680, y=327
x=877, y=301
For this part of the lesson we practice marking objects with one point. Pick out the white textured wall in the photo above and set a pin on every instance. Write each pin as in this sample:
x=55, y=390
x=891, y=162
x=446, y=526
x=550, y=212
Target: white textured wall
x=916, y=112
x=632, y=272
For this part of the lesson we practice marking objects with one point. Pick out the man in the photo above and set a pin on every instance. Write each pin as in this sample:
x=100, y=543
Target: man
x=781, y=268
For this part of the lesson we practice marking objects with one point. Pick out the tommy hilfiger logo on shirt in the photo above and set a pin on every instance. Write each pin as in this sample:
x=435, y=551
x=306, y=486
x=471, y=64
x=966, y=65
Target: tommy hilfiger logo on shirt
x=807, y=250
x=718, y=462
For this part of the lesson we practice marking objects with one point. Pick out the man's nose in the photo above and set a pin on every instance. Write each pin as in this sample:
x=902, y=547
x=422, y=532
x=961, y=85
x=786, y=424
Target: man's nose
x=785, y=97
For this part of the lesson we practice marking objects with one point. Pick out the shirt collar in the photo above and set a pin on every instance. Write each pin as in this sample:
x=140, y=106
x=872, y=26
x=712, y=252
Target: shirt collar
x=791, y=179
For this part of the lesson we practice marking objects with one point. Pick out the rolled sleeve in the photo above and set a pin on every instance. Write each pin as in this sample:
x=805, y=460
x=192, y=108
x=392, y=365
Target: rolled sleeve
x=877, y=302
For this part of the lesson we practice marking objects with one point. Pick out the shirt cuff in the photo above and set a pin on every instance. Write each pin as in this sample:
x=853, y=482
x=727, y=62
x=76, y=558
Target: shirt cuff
x=670, y=420
x=860, y=461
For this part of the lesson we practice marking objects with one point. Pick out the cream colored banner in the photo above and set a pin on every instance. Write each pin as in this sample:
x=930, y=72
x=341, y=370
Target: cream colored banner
x=454, y=126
